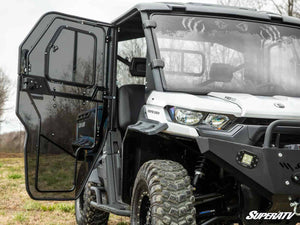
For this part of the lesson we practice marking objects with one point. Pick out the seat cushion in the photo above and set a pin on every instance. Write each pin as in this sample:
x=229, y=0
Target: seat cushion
x=131, y=99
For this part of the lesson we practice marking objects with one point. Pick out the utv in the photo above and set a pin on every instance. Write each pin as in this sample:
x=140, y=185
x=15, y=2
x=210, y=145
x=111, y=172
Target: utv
x=172, y=114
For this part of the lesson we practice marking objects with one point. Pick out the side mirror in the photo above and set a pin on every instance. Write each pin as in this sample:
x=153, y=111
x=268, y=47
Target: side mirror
x=138, y=67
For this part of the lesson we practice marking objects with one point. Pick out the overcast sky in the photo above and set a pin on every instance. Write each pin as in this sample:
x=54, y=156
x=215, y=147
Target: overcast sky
x=17, y=17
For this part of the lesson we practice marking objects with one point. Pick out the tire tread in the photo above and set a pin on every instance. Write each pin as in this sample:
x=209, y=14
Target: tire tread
x=170, y=192
x=89, y=215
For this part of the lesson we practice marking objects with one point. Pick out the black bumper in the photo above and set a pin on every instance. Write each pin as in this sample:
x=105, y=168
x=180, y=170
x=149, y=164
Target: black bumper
x=273, y=170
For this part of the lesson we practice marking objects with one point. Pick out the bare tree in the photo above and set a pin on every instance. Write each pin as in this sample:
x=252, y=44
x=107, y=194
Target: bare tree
x=129, y=49
x=288, y=7
x=283, y=7
x=4, y=88
x=259, y=4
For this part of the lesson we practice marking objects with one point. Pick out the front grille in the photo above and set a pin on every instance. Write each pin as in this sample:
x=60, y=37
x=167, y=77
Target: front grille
x=257, y=121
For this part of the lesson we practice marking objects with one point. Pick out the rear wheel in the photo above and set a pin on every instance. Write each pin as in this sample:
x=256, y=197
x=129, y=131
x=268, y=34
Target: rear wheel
x=85, y=213
x=162, y=194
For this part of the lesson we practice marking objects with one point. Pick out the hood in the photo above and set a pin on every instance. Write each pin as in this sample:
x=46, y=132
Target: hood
x=269, y=107
x=193, y=102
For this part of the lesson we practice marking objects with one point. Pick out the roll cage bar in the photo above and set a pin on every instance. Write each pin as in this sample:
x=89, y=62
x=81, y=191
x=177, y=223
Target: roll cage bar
x=141, y=15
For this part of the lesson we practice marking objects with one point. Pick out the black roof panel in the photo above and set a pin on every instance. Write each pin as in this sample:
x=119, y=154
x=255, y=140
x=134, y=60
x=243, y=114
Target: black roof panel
x=203, y=8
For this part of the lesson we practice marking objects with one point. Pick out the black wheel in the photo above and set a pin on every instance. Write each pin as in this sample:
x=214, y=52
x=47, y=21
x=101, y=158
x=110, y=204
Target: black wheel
x=85, y=213
x=162, y=194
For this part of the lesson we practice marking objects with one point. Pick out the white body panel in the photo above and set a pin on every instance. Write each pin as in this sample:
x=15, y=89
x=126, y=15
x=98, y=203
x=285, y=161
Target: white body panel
x=263, y=106
x=239, y=105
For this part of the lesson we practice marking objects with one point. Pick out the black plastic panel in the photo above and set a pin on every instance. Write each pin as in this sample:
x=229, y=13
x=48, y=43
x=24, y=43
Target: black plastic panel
x=48, y=106
x=271, y=176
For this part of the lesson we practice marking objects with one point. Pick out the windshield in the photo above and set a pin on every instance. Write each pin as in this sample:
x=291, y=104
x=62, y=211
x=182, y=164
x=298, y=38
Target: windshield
x=205, y=55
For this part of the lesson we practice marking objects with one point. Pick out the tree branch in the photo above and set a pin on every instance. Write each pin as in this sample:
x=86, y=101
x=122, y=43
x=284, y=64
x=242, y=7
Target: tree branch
x=277, y=7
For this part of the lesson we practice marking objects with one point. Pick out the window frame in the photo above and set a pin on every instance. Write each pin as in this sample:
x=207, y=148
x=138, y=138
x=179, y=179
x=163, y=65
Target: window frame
x=50, y=45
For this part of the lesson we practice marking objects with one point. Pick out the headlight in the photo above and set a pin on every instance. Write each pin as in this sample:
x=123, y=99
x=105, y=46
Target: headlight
x=192, y=118
x=185, y=117
x=216, y=121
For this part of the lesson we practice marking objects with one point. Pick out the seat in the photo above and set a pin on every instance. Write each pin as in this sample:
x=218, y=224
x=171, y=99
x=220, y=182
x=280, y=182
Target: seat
x=131, y=99
x=221, y=72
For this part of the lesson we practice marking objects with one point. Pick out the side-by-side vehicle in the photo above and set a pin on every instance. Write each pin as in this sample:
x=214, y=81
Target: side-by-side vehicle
x=172, y=114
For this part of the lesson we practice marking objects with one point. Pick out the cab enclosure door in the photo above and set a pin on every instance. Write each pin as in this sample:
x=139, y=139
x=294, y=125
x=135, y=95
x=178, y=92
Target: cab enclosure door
x=61, y=83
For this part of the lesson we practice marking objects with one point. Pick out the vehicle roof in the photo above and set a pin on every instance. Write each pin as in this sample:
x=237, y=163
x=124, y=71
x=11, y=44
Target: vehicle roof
x=207, y=9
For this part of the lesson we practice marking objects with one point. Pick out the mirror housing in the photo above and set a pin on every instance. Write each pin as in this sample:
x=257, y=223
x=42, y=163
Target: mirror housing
x=138, y=67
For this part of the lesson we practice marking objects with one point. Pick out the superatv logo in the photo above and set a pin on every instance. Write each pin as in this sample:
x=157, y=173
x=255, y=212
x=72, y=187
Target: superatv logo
x=254, y=215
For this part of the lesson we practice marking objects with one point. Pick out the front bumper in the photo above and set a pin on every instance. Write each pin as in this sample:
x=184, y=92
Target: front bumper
x=273, y=170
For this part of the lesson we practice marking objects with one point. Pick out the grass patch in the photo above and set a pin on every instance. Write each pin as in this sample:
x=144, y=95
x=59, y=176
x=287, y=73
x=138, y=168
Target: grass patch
x=20, y=217
x=32, y=205
x=14, y=169
x=48, y=208
x=63, y=207
x=14, y=176
x=1, y=164
x=17, y=208
x=66, y=207
x=38, y=206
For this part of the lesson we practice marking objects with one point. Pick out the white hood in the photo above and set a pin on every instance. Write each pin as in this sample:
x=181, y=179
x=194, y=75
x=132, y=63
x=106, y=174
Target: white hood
x=269, y=107
x=239, y=105
x=193, y=102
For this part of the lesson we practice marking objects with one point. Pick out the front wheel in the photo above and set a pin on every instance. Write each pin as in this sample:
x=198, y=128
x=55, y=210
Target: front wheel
x=162, y=194
x=87, y=214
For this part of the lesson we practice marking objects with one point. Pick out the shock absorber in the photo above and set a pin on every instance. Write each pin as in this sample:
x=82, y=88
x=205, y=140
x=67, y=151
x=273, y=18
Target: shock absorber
x=200, y=170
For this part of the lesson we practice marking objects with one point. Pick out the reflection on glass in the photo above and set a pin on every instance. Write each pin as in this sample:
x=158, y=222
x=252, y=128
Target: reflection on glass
x=172, y=61
x=64, y=48
x=85, y=56
x=52, y=131
x=50, y=120
x=61, y=56
x=56, y=168
x=190, y=60
x=30, y=118
x=265, y=58
x=72, y=57
x=182, y=61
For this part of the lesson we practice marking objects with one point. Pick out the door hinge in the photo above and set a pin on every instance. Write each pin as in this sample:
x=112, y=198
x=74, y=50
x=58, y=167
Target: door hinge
x=149, y=24
x=107, y=39
x=25, y=67
x=108, y=97
x=29, y=84
x=157, y=63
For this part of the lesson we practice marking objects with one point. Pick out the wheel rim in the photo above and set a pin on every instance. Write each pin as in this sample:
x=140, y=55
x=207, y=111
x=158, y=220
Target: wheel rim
x=144, y=209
